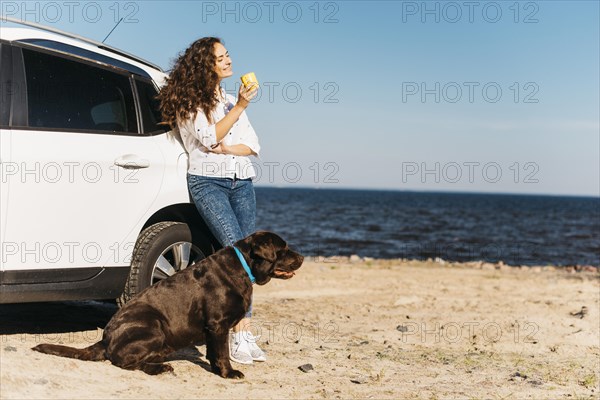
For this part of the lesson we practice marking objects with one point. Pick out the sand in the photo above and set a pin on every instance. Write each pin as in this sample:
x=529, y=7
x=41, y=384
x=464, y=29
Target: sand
x=367, y=328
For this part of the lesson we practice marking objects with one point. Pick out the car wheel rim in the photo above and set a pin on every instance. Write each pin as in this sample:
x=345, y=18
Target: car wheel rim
x=174, y=258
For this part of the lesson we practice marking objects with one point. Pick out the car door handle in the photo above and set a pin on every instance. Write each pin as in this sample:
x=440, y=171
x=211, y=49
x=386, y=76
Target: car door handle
x=132, y=161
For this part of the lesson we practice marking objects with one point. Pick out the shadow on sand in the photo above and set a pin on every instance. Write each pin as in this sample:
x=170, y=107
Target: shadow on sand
x=55, y=317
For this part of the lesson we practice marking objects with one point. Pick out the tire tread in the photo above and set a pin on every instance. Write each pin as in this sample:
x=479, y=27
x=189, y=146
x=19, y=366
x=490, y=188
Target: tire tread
x=142, y=245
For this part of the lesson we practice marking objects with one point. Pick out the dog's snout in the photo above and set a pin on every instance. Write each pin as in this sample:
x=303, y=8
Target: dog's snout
x=299, y=259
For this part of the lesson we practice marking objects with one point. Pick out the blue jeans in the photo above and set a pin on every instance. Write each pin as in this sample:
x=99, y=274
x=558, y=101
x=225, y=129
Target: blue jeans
x=228, y=206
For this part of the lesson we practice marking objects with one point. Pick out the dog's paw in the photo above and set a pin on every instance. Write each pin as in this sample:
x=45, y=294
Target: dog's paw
x=168, y=368
x=234, y=374
x=155, y=368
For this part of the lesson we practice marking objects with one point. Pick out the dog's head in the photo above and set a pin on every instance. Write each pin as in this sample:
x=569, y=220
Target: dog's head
x=269, y=256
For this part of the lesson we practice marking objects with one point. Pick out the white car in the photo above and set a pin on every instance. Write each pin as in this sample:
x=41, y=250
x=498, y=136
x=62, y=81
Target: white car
x=93, y=195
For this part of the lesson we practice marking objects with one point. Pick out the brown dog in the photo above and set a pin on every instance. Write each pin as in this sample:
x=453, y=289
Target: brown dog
x=196, y=305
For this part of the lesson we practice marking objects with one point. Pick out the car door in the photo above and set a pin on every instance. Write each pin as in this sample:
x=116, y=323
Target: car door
x=84, y=177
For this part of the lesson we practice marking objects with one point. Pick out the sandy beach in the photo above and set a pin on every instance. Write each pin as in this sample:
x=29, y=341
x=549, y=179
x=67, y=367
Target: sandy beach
x=359, y=329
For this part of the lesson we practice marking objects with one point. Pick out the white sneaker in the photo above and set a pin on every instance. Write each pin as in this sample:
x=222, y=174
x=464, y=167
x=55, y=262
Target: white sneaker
x=255, y=351
x=239, y=349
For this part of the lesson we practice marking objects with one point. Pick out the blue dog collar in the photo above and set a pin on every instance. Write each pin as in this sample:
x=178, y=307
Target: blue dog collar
x=244, y=264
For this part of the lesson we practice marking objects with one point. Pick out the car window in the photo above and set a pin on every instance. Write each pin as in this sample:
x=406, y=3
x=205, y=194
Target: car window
x=65, y=48
x=67, y=94
x=5, y=84
x=149, y=105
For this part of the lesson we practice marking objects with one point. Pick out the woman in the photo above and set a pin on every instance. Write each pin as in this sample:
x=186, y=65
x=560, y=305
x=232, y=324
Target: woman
x=219, y=139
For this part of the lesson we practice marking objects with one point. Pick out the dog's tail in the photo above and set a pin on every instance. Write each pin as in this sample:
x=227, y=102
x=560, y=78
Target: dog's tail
x=95, y=352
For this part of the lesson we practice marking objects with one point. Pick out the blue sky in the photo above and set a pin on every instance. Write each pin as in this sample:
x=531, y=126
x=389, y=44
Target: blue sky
x=476, y=96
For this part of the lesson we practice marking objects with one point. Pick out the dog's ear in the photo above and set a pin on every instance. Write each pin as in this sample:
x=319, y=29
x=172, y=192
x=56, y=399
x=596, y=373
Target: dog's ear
x=265, y=246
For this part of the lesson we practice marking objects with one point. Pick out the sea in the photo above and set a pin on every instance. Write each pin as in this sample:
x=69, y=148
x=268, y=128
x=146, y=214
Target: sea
x=520, y=230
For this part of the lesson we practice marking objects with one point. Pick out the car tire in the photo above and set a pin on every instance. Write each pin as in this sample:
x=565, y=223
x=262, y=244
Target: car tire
x=160, y=251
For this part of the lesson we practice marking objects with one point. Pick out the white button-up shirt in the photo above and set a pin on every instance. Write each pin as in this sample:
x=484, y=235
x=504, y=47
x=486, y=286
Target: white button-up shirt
x=198, y=135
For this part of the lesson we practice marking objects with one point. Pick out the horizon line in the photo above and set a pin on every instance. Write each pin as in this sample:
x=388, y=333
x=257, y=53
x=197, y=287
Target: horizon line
x=355, y=188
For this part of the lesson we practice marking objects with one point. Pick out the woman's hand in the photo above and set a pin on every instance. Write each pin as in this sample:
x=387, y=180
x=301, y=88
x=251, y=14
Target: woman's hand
x=219, y=148
x=245, y=95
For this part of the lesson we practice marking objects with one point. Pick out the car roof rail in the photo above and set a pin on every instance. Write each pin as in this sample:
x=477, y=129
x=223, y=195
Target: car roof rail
x=100, y=45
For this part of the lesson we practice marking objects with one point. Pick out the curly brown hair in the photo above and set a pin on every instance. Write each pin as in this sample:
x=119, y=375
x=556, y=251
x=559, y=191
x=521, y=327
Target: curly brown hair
x=191, y=83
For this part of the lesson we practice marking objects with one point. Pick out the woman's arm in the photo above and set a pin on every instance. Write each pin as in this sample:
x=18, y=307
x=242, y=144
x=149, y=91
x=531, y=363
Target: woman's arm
x=235, y=149
x=224, y=125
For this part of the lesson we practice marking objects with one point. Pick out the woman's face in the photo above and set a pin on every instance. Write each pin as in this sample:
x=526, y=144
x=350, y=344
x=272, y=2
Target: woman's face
x=223, y=66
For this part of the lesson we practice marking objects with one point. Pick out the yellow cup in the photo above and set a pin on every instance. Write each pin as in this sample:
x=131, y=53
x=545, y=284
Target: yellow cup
x=249, y=80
